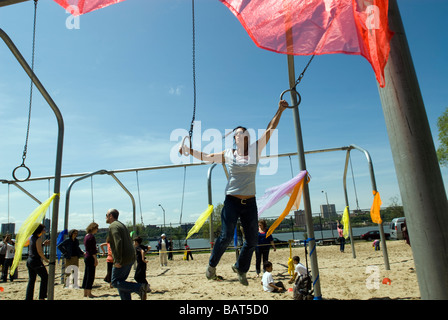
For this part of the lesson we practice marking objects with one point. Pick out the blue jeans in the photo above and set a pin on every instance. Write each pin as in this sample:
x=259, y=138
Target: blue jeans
x=233, y=209
x=118, y=281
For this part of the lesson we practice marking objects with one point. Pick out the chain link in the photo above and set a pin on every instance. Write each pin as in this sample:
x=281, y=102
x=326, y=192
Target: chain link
x=190, y=133
x=304, y=69
x=25, y=148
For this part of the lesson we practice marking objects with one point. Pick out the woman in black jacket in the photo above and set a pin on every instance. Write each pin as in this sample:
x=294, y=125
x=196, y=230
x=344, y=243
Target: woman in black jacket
x=71, y=252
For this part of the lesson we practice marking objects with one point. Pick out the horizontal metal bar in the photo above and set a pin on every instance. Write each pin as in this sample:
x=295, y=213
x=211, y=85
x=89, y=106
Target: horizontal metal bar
x=171, y=166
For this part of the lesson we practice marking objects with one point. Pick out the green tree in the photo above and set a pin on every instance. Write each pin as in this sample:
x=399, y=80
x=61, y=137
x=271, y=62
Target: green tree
x=442, y=151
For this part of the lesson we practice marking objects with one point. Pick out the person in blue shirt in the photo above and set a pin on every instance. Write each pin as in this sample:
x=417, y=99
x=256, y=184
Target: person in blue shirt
x=264, y=245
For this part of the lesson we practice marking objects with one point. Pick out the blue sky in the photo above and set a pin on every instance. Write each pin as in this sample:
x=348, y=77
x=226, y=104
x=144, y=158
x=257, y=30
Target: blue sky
x=123, y=82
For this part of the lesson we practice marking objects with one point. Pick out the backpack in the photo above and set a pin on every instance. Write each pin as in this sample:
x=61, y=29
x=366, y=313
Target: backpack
x=302, y=288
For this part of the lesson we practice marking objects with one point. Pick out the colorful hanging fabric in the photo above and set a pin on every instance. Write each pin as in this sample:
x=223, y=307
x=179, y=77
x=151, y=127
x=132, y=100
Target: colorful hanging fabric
x=375, y=209
x=345, y=223
x=59, y=240
x=78, y=7
x=200, y=221
x=274, y=194
x=306, y=27
x=27, y=229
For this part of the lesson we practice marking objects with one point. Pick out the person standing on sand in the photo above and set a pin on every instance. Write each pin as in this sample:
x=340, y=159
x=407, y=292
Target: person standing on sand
x=341, y=236
x=123, y=252
x=35, y=265
x=71, y=252
x=264, y=245
x=90, y=259
x=162, y=246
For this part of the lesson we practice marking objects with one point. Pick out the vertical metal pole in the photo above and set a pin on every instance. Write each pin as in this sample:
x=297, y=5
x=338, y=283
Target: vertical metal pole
x=352, y=242
x=306, y=194
x=58, y=166
x=418, y=172
x=210, y=202
x=380, y=226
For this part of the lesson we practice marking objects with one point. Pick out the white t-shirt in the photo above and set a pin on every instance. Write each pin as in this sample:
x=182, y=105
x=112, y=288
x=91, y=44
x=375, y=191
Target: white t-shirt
x=10, y=251
x=163, y=245
x=300, y=269
x=266, y=280
x=242, y=171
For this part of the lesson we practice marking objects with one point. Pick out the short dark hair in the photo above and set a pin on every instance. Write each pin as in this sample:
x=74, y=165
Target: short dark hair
x=296, y=258
x=39, y=229
x=267, y=264
x=138, y=240
x=71, y=232
x=240, y=127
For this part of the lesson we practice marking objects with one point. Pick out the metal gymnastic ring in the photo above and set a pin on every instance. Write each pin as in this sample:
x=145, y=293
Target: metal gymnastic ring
x=21, y=166
x=186, y=153
x=298, y=94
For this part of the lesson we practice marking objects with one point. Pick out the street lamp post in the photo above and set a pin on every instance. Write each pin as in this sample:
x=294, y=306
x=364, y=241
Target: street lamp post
x=163, y=216
x=330, y=212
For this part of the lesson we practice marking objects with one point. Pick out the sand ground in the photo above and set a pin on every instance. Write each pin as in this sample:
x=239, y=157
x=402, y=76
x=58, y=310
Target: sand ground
x=341, y=276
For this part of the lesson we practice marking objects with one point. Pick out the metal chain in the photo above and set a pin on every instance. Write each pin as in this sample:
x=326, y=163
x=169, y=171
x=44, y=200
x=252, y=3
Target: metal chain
x=293, y=89
x=25, y=149
x=304, y=69
x=194, y=73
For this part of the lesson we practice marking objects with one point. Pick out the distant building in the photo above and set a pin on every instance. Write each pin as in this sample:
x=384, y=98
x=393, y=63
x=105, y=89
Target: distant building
x=9, y=228
x=300, y=220
x=328, y=211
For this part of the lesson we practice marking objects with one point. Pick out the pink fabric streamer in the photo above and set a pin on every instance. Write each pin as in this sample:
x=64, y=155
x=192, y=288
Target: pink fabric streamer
x=275, y=194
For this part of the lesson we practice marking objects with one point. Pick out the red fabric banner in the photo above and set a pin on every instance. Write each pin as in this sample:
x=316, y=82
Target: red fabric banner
x=78, y=7
x=305, y=27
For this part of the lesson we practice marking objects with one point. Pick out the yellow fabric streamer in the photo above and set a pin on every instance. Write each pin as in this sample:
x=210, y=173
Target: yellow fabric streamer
x=294, y=200
x=27, y=229
x=375, y=209
x=345, y=223
x=200, y=222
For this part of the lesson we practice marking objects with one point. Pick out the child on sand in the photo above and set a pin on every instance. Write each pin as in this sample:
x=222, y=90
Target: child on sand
x=299, y=269
x=376, y=244
x=268, y=281
x=109, y=260
x=140, y=272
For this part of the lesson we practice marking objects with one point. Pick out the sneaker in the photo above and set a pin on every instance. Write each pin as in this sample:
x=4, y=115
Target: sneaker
x=241, y=276
x=210, y=273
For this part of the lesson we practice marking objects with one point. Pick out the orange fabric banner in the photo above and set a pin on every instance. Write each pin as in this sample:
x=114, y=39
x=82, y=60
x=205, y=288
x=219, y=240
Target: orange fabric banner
x=294, y=200
x=375, y=209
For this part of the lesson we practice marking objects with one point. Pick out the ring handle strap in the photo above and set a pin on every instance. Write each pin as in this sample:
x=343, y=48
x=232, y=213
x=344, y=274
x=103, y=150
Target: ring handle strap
x=292, y=90
x=185, y=153
x=21, y=166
